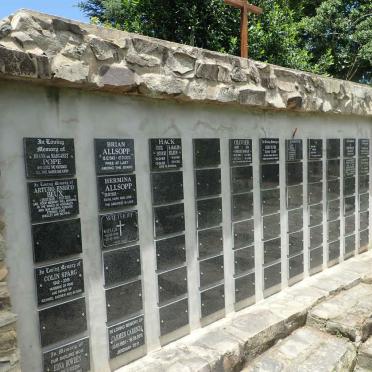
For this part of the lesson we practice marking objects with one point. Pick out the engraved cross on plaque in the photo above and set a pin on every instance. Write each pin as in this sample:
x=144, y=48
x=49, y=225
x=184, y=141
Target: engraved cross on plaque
x=120, y=227
x=245, y=8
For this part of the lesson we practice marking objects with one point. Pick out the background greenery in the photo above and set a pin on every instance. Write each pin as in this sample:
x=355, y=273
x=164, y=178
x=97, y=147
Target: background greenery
x=332, y=37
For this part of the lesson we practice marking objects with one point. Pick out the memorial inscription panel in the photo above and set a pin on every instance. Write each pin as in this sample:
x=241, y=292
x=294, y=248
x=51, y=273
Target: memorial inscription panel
x=294, y=150
x=166, y=153
x=269, y=149
x=363, y=147
x=349, y=147
x=349, y=167
x=315, y=149
x=240, y=152
x=363, y=166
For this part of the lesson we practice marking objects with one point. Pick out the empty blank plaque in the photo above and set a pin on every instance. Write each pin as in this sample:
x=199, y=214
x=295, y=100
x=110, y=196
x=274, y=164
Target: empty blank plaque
x=243, y=234
x=363, y=240
x=210, y=242
x=334, y=250
x=363, y=220
x=333, y=169
x=172, y=285
x=349, y=206
x=272, y=276
x=170, y=252
x=316, y=257
x=333, y=210
x=269, y=176
x=270, y=201
x=363, y=184
x=294, y=197
x=174, y=316
x=295, y=220
x=314, y=171
x=350, y=244
x=271, y=226
x=241, y=179
x=294, y=173
x=244, y=287
x=242, y=206
x=272, y=250
x=169, y=219
x=244, y=260
x=316, y=236
x=315, y=192
x=212, y=300
x=295, y=243
x=349, y=225
x=208, y=182
x=296, y=265
x=316, y=214
x=167, y=187
x=349, y=186
x=333, y=148
x=206, y=152
x=333, y=230
x=211, y=271
x=333, y=189
x=363, y=202
x=209, y=212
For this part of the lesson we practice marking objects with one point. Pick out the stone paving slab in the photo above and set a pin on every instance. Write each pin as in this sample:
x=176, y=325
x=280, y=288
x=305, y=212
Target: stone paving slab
x=306, y=350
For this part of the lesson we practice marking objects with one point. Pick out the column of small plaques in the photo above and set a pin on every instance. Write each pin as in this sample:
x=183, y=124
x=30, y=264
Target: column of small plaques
x=349, y=183
x=315, y=202
x=294, y=178
x=363, y=192
x=207, y=162
x=57, y=248
x=270, y=208
x=169, y=232
x=333, y=200
x=242, y=220
x=118, y=222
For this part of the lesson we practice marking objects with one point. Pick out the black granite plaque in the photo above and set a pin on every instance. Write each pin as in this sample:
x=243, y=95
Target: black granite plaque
x=166, y=153
x=243, y=234
x=210, y=242
x=269, y=176
x=333, y=210
x=269, y=149
x=349, y=186
x=349, y=167
x=240, y=151
x=315, y=148
x=316, y=258
x=349, y=225
x=296, y=266
x=316, y=214
x=49, y=157
x=51, y=200
x=363, y=147
x=244, y=260
x=349, y=147
x=294, y=149
x=294, y=173
x=272, y=276
x=211, y=271
x=333, y=169
x=167, y=187
x=174, y=316
x=122, y=265
x=295, y=243
x=118, y=228
x=207, y=152
x=363, y=240
x=333, y=189
x=316, y=236
x=295, y=220
x=363, y=166
x=241, y=179
x=245, y=287
x=123, y=301
x=212, y=300
x=363, y=184
x=349, y=206
x=115, y=192
x=314, y=171
x=242, y=206
x=60, y=322
x=270, y=201
x=333, y=148
x=114, y=156
x=169, y=219
x=170, y=252
x=333, y=230
x=271, y=226
x=315, y=192
x=350, y=244
x=363, y=202
x=56, y=240
x=294, y=197
x=73, y=357
x=126, y=336
x=209, y=213
x=172, y=285
x=363, y=220
x=272, y=250
x=208, y=182
x=59, y=282
x=333, y=251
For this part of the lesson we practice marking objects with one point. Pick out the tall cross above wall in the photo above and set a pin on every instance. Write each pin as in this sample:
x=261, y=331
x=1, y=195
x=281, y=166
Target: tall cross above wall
x=245, y=8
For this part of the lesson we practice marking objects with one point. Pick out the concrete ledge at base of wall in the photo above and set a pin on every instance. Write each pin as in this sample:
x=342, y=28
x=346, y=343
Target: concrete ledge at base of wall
x=45, y=49
x=229, y=343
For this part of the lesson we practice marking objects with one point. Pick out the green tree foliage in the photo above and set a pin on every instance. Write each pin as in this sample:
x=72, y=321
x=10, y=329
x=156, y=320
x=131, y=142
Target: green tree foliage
x=332, y=37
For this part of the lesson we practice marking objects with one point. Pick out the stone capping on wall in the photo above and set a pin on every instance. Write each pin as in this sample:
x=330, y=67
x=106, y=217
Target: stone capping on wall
x=56, y=51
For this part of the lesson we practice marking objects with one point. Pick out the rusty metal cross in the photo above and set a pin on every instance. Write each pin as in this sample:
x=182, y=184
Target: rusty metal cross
x=245, y=8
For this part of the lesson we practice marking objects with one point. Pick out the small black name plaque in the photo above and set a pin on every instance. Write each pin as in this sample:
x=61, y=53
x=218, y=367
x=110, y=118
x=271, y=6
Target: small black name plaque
x=126, y=336
x=72, y=357
x=349, y=167
x=294, y=149
x=363, y=166
x=315, y=148
x=114, y=156
x=51, y=200
x=349, y=147
x=269, y=149
x=118, y=228
x=116, y=191
x=166, y=153
x=49, y=157
x=58, y=282
x=240, y=152
x=363, y=147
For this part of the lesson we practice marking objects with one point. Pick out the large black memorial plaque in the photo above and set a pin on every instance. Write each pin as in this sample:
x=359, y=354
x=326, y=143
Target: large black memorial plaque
x=210, y=242
x=207, y=152
x=169, y=219
x=294, y=173
x=242, y=206
x=316, y=258
x=114, y=156
x=166, y=153
x=349, y=167
x=115, y=192
x=170, y=252
x=294, y=150
x=211, y=271
x=272, y=250
x=269, y=176
x=209, y=212
x=363, y=166
x=212, y=300
x=56, y=240
x=59, y=282
x=315, y=149
x=174, y=316
x=314, y=171
x=244, y=260
x=241, y=179
x=53, y=199
x=73, y=357
x=363, y=147
x=240, y=152
x=272, y=275
x=296, y=243
x=63, y=321
x=49, y=157
x=295, y=220
x=270, y=200
x=208, y=182
x=245, y=287
x=349, y=147
x=243, y=233
x=269, y=148
x=172, y=284
x=118, y=228
x=126, y=336
x=333, y=148
x=296, y=266
x=167, y=187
